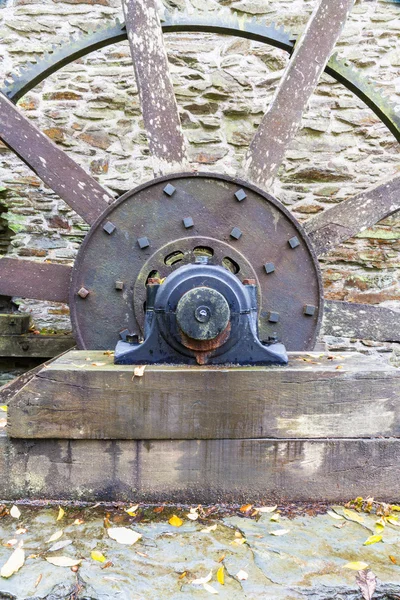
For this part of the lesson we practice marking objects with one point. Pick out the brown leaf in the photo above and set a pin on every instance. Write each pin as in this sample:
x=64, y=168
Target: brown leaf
x=393, y=559
x=158, y=509
x=246, y=508
x=366, y=580
x=38, y=580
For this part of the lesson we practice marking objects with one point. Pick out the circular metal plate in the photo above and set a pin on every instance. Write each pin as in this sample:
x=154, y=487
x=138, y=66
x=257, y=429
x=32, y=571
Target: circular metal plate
x=157, y=227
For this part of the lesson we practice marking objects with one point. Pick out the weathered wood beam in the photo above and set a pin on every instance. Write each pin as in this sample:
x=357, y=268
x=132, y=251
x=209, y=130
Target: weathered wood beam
x=159, y=107
x=351, y=216
x=283, y=118
x=14, y=323
x=314, y=396
x=34, y=346
x=362, y=321
x=32, y=279
x=76, y=187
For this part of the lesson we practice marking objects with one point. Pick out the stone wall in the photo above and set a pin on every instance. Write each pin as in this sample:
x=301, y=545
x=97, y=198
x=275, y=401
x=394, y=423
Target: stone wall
x=223, y=86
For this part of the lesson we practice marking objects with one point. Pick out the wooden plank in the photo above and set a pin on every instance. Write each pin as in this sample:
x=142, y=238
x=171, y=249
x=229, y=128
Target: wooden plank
x=14, y=323
x=83, y=395
x=362, y=321
x=31, y=279
x=76, y=187
x=205, y=471
x=35, y=346
x=157, y=98
x=283, y=118
x=351, y=216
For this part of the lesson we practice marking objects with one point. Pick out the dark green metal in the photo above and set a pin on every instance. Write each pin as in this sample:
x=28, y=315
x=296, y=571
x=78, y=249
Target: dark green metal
x=233, y=25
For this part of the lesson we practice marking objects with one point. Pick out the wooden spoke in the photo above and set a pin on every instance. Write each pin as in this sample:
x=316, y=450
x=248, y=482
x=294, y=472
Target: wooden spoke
x=28, y=279
x=160, y=111
x=363, y=321
x=283, y=117
x=351, y=216
x=78, y=189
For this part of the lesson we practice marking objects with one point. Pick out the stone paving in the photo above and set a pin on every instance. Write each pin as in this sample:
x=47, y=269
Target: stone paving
x=228, y=553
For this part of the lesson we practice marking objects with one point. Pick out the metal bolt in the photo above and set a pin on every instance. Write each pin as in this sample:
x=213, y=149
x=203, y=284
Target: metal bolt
x=269, y=268
x=309, y=310
x=294, y=242
x=188, y=222
x=169, y=189
x=240, y=195
x=119, y=285
x=123, y=334
x=236, y=233
x=109, y=227
x=273, y=317
x=201, y=260
x=143, y=242
x=202, y=314
x=83, y=293
x=249, y=282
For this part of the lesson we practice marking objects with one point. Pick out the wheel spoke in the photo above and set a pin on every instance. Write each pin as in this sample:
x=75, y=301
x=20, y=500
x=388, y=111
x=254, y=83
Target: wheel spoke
x=342, y=221
x=159, y=107
x=29, y=279
x=363, y=321
x=78, y=189
x=283, y=118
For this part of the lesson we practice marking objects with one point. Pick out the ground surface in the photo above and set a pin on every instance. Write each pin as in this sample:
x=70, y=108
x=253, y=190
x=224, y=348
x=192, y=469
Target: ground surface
x=309, y=559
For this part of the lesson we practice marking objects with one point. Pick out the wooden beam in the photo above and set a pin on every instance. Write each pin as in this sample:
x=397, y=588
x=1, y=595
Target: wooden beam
x=83, y=395
x=362, y=321
x=14, y=323
x=34, y=346
x=32, y=279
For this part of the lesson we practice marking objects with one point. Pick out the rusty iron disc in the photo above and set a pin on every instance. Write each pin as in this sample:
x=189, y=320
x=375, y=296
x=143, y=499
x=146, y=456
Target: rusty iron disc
x=157, y=227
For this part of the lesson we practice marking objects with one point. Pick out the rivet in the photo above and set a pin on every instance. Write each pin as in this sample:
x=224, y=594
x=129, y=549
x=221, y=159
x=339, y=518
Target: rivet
x=236, y=233
x=109, y=227
x=240, y=195
x=169, y=189
x=273, y=317
x=294, y=242
x=309, y=310
x=83, y=293
x=119, y=285
x=143, y=242
x=123, y=334
x=188, y=222
x=269, y=268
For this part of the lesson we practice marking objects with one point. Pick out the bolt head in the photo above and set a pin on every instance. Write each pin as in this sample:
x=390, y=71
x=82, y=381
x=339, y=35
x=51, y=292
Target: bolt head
x=169, y=189
x=240, y=195
x=143, y=242
x=236, y=233
x=83, y=293
x=119, y=285
x=273, y=317
x=109, y=227
x=269, y=268
x=294, y=242
x=309, y=310
x=188, y=222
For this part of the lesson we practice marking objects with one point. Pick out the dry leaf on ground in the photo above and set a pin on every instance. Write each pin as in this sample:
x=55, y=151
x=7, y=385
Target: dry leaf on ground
x=366, y=580
x=63, y=561
x=357, y=565
x=56, y=536
x=3, y=423
x=3, y=407
x=96, y=555
x=208, y=529
x=353, y=515
x=203, y=580
x=59, y=546
x=334, y=515
x=132, y=510
x=280, y=532
x=175, y=521
x=61, y=513
x=267, y=509
x=221, y=575
x=373, y=539
x=139, y=371
x=15, y=512
x=242, y=575
x=123, y=535
x=14, y=563
x=209, y=588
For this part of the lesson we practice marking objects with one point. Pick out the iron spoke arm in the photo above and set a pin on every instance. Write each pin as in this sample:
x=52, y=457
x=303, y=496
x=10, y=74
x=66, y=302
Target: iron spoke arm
x=283, y=118
x=344, y=220
x=29, y=279
x=159, y=107
x=54, y=167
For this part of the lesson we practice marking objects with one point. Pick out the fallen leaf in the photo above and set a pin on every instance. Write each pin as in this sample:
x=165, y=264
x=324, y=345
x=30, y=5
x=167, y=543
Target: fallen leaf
x=334, y=515
x=339, y=525
x=339, y=367
x=21, y=531
x=132, y=510
x=242, y=575
x=208, y=529
x=366, y=580
x=123, y=535
x=78, y=522
x=275, y=518
x=61, y=513
x=267, y=509
x=373, y=539
x=393, y=559
x=175, y=521
x=108, y=564
x=59, y=545
x=202, y=580
x=280, y=532
x=395, y=507
x=245, y=508
x=98, y=364
x=193, y=516
x=352, y=515
x=38, y=580
x=182, y=575
x=95, y=555
x=357, y=565
x=158, y=509
x=63, y=561
x=3, y=407
x=56, y=536
x=3, y=423
x=10, y=543
x=15, y=512
x=221, y=575
x=221, y=558
x=14, y=563
x=139, y=371
x=209, y=588
x=142, y=554
x=393, y=521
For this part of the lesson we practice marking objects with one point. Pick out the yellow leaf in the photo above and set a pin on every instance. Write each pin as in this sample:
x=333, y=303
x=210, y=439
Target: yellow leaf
x=280, y=532
x=203, y=580
x=98, y=556
x=139, y=371
x=267, y=509
x=395, y=507
x=123, y=535
x=63, y=561
x=275, y=518
x=56, y=536
x=175, y=521
x=393, y=559
x=353, y=515
x=209, y=588
x=334, y=515
x=379, y=527
x=15, y=512
x=373, y=539
x=393, y=521
x=221, y=575
x=13, y=564
x=61, y=513
x=245, y=508
x=242, y=575
x=4, y=408
x=132, y=510
x=357, y=565
x=208, y=529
